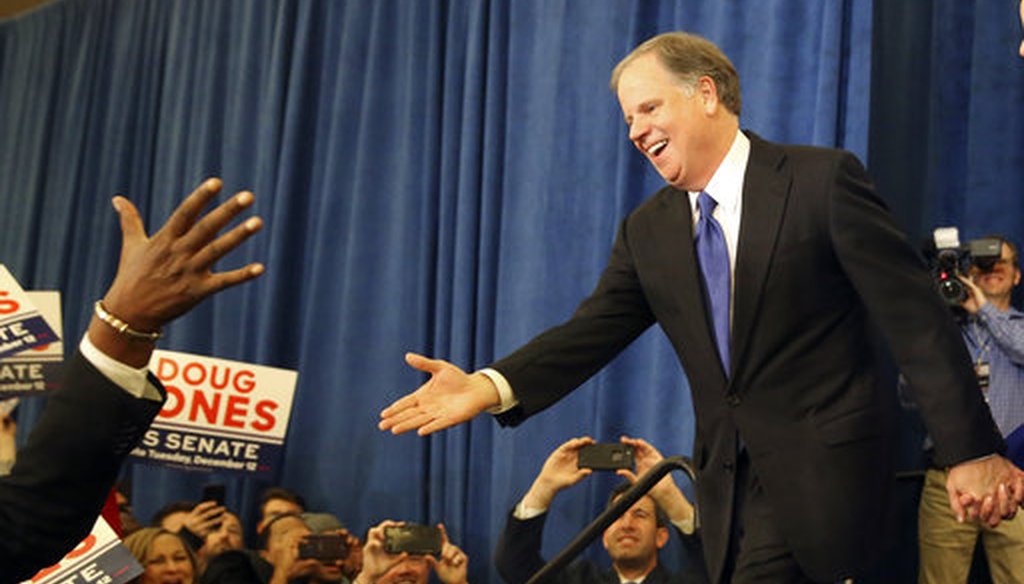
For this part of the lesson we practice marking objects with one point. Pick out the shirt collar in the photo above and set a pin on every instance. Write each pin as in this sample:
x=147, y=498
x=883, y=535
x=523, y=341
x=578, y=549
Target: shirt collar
x=726, y=185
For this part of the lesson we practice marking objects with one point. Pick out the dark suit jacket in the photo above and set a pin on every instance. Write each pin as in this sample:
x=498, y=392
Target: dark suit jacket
x=64, y=473
x=818, y=259
x=517, y=558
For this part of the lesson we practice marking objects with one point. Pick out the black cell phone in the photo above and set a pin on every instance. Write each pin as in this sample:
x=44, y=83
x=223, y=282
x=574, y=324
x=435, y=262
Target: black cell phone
x=326, y=547
x=421, y=540
x=213, y=492
x=606, y=456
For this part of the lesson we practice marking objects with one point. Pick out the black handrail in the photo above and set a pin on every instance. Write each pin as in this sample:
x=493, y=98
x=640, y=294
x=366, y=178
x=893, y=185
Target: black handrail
x=620, y=506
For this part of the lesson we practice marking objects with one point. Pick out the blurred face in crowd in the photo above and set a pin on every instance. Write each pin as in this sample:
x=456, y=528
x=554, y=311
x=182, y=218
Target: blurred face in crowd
x=412, y=570
x=670, y=122
x=167, y=562
x=282, y=537
x=634, y=539
x=998, y=283
x=227, y=537
x=275, y=507
x=129, y=524
x=173, y=522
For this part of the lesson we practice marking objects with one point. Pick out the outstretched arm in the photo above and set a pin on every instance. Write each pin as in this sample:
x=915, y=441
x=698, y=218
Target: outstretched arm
x=70, y=461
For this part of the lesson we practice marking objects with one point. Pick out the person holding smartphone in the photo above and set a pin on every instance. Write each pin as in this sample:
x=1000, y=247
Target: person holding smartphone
x=385, y=562
x=632, y=541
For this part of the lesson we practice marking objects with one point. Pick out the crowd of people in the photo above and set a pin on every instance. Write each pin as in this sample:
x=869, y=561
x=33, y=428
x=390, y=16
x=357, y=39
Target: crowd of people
x=188, y=542
x=191, y=543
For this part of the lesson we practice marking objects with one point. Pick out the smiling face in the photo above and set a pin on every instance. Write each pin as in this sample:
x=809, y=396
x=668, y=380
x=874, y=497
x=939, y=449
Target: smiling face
x=998, y=283
x=681, y=128
x=167, y=562
x=634, y=539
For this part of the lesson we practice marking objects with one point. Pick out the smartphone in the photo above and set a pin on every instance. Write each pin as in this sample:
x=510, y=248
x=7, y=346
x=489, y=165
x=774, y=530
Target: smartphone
x=326, y=547
x=606, y=456
x=413, y=538
x=213, y=492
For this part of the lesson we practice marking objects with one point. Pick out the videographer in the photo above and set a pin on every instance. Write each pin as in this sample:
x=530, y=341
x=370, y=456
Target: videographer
x=994, y=333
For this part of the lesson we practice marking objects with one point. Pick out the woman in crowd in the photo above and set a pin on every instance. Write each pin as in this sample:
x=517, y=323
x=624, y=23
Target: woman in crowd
x=163, y=555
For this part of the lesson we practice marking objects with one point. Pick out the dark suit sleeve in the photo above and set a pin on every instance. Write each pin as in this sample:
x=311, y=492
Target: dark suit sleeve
x=563, y=357
x=694, y=570
x=898, y=293
x=64, y=473
x=517, y=556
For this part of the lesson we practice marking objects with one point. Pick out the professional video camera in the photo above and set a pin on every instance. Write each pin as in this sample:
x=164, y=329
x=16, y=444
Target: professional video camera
x=949, y=259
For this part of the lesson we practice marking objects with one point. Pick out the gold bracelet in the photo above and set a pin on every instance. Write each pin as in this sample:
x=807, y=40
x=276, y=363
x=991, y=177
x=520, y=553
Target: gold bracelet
x=121, y=326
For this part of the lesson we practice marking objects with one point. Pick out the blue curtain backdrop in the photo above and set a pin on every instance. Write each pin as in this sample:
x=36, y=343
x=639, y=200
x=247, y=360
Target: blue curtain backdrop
x=446, y=177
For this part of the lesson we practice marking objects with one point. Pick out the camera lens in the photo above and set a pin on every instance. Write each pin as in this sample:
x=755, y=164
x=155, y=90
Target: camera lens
x=952, y=291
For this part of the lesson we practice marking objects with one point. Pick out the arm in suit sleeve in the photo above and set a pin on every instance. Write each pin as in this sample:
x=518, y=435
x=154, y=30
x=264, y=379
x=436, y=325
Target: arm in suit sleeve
x=563, y=357
x=897, y=291
x=517, y=555
x=63, y=474
x=694, y=569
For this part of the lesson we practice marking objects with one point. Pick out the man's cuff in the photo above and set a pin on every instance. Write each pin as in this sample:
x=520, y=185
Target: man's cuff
x=523, y=513
x=126, y=377
x=685, y=526
x=507, y=398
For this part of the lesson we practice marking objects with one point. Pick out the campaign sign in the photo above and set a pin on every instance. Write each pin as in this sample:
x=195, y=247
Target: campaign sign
x=37, y=369
x=220, y=415
x=100, y=558
x=22, y=326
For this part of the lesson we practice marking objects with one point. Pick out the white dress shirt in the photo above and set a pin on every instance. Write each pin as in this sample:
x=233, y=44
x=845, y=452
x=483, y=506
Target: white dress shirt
x=726, y=188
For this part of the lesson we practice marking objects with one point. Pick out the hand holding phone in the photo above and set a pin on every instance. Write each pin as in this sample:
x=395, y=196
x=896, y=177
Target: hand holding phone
x=326, y=547
x=213, y=492
x=606, y=456
x=412, y=538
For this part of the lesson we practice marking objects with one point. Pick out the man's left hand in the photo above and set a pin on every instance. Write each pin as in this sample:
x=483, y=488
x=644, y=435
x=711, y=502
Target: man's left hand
x=975, y=297
x=989, y=489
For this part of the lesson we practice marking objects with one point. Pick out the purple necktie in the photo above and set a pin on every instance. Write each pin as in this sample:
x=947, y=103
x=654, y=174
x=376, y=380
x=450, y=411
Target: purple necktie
x=713, y=256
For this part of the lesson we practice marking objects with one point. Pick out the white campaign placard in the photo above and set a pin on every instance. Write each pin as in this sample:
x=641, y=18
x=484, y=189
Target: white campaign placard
x=39, y=368
x=22, y=326
x=220, y=414
x=100, y=558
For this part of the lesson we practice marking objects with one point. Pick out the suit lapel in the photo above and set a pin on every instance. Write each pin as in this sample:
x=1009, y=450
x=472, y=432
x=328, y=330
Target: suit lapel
x=765, y=191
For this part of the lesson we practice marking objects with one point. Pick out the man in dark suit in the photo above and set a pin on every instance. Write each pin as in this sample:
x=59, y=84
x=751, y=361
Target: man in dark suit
x=108, y=399
x=766, y=266
x=632, y=541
